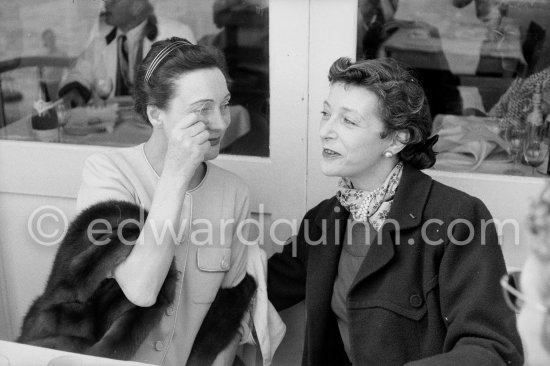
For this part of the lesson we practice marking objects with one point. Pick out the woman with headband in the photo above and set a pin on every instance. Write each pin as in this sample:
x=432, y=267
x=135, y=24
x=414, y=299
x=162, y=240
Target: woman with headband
x=187, y=269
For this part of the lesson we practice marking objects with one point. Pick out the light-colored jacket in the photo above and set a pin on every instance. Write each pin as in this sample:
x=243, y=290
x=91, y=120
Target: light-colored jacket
x=207, y=262
x=102, y=55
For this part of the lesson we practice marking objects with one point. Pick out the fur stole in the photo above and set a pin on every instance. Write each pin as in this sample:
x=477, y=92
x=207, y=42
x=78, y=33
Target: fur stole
x=84, y=311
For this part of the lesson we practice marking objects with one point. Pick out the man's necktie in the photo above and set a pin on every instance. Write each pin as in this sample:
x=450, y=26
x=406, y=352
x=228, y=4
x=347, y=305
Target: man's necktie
x=124, y=84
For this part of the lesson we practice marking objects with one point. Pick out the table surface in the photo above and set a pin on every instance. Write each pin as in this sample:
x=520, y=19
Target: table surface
x=466, y=140
x=16, y=354
x=460, y=39
x=129, y=130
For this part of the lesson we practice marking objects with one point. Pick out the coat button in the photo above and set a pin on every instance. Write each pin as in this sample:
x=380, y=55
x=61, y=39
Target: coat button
x=159, y=346
x=224, y=264
x=415, y=300
x=180, y=275
x=170, y=310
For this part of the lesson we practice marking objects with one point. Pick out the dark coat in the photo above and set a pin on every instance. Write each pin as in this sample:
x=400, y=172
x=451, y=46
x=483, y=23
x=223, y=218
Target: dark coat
x=84, y=311
x=417, y=299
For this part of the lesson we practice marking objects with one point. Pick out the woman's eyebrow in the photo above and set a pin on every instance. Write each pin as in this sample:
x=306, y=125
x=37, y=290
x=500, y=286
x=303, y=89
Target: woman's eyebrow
x=208, y=100
x=201, y=102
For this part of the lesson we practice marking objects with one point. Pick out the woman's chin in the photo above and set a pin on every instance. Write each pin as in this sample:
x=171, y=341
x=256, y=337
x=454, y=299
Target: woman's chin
x=212, y=153
x=329, y=171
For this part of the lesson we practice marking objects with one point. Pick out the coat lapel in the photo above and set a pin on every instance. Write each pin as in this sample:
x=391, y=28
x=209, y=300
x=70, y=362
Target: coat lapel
x=405, y=213
x=323, y=258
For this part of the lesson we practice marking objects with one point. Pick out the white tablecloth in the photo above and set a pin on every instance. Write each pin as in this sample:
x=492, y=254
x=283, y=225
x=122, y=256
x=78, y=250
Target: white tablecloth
x=15, y=354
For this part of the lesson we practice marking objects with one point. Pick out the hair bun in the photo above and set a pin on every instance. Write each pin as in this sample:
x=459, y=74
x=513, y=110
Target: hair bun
x=420, y=155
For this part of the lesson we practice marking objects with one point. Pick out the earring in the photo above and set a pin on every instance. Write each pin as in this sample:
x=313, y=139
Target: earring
x=388, y=154
x=158, y=125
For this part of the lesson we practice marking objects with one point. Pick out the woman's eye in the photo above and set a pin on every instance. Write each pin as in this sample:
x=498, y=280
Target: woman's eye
x=224, y=107
x=349, y=122
x=325, y=115
x=204, y=110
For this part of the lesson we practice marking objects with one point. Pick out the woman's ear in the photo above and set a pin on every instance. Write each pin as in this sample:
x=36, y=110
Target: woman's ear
x=398, y=141
x=155, y=116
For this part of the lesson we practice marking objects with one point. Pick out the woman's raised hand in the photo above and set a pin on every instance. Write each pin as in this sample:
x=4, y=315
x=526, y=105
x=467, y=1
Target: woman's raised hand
x=187, y=145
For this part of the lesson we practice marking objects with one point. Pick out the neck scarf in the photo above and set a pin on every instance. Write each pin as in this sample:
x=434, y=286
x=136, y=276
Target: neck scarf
x=370, y=206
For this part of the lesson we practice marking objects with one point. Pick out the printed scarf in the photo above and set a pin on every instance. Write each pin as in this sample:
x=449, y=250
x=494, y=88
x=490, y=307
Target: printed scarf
x=370, y=206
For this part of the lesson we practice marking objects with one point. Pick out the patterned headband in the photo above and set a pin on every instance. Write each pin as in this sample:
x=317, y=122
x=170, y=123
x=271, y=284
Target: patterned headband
x=161, y=55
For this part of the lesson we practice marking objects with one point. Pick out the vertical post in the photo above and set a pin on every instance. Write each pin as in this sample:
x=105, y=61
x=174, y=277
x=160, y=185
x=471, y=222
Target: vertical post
x=3, y=122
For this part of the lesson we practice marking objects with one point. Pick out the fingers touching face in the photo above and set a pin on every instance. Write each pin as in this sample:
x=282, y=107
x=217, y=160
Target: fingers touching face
x=200, y=96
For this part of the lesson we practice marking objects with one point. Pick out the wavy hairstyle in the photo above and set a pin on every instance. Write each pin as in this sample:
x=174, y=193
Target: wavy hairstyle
x=402, y=103
x=160, y=88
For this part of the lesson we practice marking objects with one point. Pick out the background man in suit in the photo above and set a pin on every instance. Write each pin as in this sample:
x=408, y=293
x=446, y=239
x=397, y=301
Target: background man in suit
x=132, y=27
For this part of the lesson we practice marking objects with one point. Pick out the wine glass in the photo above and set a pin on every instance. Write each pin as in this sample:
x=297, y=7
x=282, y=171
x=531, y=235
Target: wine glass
x=515, y=136
x=103, y=87
x=63, y=115
x=535, y=152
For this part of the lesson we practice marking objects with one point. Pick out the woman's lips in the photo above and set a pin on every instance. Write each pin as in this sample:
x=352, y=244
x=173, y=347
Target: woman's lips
x=214, y=141
x=328, y=153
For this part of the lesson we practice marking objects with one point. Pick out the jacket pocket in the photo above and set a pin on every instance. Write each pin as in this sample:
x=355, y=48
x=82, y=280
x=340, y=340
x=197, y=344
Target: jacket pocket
x=214, y=259
x=414, y=310
x=212, y=265
x=378, y=325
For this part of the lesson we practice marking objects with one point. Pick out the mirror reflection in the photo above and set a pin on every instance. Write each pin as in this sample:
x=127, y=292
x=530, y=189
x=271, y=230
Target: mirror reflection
x=86, y=62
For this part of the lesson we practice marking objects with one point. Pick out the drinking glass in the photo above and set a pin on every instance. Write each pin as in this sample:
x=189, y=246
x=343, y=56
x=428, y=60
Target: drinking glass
x=515, y=136
x=103, y=87
x=535, y=153
x=63, y=115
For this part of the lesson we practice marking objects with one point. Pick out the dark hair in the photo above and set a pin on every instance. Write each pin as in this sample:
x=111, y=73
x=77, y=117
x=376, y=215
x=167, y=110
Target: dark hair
x=402, y=103
x=159, y=89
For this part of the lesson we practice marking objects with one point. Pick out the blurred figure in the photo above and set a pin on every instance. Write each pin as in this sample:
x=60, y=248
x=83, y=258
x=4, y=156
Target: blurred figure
x=372, y=16
x=532, y=302
x=51, y=76
x=244, y=39
x=115, y=55
x=488, y=11
x=49, y=42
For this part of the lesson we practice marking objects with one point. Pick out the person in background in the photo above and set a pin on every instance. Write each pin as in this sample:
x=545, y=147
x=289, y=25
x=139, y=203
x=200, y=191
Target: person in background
x=49, y=43
x=51, y=76
x=181, y=90
x=396, y=268
x=532, y=302
x=488, y=11
x=115, y=55
x=372, y=15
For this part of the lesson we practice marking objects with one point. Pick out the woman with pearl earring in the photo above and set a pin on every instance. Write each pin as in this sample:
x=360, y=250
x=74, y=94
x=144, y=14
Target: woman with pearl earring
x=396, y=268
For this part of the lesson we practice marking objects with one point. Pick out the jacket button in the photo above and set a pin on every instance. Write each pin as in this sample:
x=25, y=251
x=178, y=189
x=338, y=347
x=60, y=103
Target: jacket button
x=159, y=346
x=415, y=300
x=224, y=264
x=179, y=275
x=170, y=310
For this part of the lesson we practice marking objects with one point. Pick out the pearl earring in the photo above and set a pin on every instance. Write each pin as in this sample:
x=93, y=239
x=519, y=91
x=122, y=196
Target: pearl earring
x=388, y=154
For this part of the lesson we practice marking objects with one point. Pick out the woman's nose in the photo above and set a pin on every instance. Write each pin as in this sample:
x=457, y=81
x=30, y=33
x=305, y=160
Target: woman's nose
x=326, y=128
x=218, y=120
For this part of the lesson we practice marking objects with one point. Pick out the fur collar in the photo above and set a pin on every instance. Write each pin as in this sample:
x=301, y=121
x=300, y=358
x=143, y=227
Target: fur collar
x=84, y=311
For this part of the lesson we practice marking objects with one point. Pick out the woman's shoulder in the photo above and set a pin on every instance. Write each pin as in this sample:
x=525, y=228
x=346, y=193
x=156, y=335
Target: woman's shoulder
x=113, y=158
x=455, y=202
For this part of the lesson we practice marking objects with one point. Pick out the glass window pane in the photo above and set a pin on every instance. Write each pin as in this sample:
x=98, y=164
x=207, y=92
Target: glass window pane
x=38, y=49
x=467, y=54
